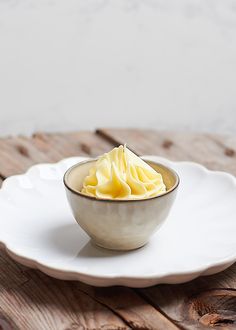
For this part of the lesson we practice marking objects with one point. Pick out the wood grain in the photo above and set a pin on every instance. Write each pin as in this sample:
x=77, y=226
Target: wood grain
x=39, y=302
x=17, y=154
x=216, y=152
x=131, y=307
x=42, y=302
x=31, y=300
x=186, y=304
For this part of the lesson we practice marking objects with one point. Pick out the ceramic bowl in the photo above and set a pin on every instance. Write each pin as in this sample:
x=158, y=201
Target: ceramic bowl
x=119, y=224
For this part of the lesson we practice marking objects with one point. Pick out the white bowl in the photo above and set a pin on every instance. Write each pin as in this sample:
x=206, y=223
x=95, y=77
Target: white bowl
x=119, y=224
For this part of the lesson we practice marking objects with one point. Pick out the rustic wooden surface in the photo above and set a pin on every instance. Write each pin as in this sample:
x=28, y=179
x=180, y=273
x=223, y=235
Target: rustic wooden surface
x=30, y=300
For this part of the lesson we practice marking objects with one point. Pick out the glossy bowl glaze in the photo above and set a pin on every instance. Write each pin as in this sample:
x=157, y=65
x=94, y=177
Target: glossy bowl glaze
x=119, y=224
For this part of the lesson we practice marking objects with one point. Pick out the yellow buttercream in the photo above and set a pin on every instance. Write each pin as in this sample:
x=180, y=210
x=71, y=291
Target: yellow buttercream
x=120, y=174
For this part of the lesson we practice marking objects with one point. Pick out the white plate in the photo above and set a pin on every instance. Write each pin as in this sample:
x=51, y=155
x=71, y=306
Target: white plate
x=38, y=230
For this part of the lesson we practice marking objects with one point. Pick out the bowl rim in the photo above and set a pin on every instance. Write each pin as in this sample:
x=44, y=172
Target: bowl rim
x=78, y=193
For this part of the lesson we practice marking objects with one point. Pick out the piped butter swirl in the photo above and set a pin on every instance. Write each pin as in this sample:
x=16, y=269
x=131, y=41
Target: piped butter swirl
x=120, y=174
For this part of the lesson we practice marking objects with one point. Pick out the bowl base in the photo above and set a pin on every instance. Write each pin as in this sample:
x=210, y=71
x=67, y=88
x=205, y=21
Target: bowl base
x=118, y=247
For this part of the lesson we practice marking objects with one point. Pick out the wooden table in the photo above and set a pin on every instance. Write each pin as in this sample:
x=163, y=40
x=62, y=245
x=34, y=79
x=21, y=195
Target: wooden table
x=31, y=300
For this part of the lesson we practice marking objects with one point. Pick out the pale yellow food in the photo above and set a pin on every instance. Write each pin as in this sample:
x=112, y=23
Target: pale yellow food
x=120, y=174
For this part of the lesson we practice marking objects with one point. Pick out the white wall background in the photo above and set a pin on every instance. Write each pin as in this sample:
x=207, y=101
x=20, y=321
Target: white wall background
x=73, y=64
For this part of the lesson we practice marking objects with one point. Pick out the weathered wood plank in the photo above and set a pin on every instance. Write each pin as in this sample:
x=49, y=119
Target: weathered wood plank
x=6, y=323
x=53, y=304
x=214, y=151
x=187, y=304
x=17, y=154
x=40, y=302
x=16, y=271
x=207, y=301
x=130, y=306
